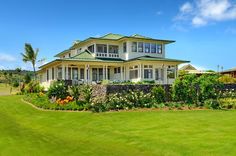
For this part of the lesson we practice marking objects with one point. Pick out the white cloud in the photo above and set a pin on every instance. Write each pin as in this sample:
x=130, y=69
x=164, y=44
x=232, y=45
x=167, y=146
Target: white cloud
x=6, y=57
x=186, y=7
x=197, y=21
x=2, y=67
x=202, y=12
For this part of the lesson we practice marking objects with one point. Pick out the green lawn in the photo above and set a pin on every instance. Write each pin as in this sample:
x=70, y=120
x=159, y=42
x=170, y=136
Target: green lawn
x=5, y=89
x=27, y=131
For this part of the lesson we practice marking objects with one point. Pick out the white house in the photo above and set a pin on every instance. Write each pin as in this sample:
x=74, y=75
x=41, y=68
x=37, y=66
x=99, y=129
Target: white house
x=112, y=57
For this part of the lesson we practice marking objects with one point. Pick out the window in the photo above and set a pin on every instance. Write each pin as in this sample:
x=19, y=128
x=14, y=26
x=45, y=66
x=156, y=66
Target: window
x=147, y=47
x=133, y=72
x=101, y=48
x=159, y=74
x=91, y=48
x=148, y=72
x=47, y=75
x=140, y=47
x=116, y=70
x=124, y=47
x=59, y=73
x=159, y=48
x=134, y=47
x=52, y=73
x=113, y=49
x=69, y=54
x=81, y=73
x=153, y=48
x=74, y=73
x=171, y=73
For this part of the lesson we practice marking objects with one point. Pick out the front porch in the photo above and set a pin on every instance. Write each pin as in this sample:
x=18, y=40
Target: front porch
x=95, y=73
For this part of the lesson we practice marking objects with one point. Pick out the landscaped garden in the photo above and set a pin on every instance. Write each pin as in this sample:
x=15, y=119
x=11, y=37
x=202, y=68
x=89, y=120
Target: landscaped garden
x=28, y=131
x=187, y=92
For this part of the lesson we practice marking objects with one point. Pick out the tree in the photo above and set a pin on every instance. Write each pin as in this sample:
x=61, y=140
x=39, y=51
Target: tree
x=30, y=55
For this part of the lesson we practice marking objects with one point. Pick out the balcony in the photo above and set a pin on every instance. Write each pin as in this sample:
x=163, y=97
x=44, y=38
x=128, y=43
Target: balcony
x=109, y=55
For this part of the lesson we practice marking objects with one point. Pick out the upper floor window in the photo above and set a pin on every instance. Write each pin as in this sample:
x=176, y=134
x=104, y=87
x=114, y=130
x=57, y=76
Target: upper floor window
x=147, y=47
x=140, y=47
x=91, y=48
x=134, y=46
x=159, y=48
x=153, y=48
x=113, y=49
x=124, y=47
x=101, y=48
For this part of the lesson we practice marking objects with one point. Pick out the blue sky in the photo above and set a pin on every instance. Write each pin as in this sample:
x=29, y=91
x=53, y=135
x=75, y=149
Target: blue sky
x=204, y=30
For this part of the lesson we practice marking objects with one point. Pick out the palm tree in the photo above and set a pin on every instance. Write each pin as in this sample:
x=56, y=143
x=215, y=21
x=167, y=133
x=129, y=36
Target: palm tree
x=30, y=55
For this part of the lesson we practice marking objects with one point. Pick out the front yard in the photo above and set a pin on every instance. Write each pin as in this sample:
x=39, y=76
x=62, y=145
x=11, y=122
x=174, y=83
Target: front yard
x=27, y=131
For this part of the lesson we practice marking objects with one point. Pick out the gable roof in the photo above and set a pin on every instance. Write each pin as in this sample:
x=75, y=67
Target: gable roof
x=188, y=67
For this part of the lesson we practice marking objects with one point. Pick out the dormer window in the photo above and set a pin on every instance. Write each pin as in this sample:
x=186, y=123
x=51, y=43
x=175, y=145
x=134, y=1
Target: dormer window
x=113, y=49
x=159, y=48
x=101, y=48
x=134, y=46
x=153, y=48
x=91, y=48
x=147, y=47
x=140, y=47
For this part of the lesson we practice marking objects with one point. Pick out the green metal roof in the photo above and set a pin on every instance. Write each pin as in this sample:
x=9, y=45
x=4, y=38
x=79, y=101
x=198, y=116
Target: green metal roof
x=140, y=36
x=112, y=36
x=150, y=58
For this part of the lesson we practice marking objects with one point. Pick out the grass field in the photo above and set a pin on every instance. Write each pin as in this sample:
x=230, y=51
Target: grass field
x=5, y=89
x=27, y=131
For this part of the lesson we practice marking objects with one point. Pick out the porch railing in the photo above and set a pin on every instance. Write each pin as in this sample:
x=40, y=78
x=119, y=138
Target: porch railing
x=110, y=55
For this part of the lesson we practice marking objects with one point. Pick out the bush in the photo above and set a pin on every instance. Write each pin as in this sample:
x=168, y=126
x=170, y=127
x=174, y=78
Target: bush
x=87, y=93
x=75, y=92
x=32, y=87
x=228, y=103
x=159, y=94
x=185, y=89
x=212, y=104
x=227, y=79
x=58, y=89
x=192, y=89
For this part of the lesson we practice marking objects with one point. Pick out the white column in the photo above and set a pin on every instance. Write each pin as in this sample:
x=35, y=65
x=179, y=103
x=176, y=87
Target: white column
x=88, y=72
x=106, y=73
x=121, y=73
x=71, y=73
x=63, y=72
x=140, y=72
x=85, y=72
x=103, y=73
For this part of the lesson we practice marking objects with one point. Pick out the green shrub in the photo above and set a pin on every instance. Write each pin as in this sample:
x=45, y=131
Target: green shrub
x=32, y=87
x=87, y=93
x=228, y=103
x=212, y=104
x=158, y=93
x=58, y=89
x=75, y=92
